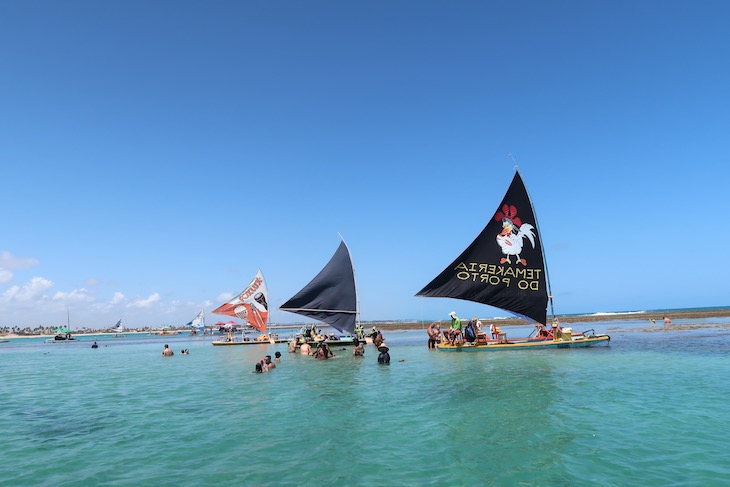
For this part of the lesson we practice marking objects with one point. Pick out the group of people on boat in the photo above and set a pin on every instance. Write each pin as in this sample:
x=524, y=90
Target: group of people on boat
x=456, y=333
x=472, y=332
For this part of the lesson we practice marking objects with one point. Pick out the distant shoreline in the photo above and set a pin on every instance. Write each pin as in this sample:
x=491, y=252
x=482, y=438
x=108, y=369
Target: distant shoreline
x=417, y=325
x=592, y=318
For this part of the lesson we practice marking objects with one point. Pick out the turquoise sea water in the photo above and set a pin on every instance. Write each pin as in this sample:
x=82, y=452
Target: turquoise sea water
x=650, y=410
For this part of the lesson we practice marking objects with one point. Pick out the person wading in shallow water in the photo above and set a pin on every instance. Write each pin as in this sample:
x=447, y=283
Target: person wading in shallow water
x=167, y=352
x=434, y=334
x=359, y=350
x=384, y=357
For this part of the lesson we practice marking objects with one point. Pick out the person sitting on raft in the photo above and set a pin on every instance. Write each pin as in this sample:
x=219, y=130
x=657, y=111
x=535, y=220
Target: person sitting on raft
x=454, y=331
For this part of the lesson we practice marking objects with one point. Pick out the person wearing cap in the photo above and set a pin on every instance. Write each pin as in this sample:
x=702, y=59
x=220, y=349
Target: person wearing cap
x=454, y=330
x=384, y=357
x=374, y=334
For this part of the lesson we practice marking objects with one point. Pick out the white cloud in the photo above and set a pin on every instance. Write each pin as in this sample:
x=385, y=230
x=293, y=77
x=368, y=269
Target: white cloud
x=5, y=275
x=118, y=298
x=32, y=291
x=9, y=261
x=75, y=296
x=225, y=297
x=145, y=303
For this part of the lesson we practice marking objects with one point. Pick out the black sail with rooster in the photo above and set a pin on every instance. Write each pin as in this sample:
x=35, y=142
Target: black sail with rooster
x=504, y=266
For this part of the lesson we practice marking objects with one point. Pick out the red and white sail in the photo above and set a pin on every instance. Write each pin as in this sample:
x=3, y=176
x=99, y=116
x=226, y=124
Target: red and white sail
x=251, y=305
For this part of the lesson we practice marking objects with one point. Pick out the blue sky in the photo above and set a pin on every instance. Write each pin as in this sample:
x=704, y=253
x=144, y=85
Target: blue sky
x=156, y=154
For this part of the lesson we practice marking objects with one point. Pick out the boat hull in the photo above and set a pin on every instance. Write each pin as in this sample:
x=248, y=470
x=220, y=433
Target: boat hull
x=526, y=344
x=252, y=342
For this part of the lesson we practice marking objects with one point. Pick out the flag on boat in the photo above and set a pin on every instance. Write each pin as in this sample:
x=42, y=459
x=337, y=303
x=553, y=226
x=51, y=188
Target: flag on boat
x=251, y=305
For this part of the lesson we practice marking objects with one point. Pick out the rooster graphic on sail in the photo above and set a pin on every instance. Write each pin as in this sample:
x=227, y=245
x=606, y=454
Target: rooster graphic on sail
x=505, y=267
x=507, y=274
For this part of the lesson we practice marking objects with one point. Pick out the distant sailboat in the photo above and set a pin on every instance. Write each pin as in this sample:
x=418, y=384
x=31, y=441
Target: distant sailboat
x=331, y=297
x=63, y=335
x=118, y=330
x=251, y=305
x=198, y=323
x=505, y=268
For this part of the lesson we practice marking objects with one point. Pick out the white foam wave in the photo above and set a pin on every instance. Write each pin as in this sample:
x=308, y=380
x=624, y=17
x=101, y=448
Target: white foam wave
x=618, y=313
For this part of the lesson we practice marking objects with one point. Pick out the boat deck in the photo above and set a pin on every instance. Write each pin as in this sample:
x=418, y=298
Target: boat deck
x=527, y=344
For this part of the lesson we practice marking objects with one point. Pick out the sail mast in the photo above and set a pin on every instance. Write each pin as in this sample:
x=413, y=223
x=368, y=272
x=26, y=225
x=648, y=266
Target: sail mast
x=542, y=247
x=357, y=296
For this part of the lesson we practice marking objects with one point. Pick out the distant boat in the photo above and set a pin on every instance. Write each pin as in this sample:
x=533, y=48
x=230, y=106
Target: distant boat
x=118, y=330
x=197, y=323
x=331, y=297
x=505, y=268
x=250, y=305
x=63, y=335
x=166, y=330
